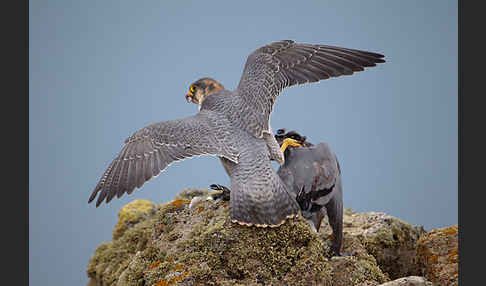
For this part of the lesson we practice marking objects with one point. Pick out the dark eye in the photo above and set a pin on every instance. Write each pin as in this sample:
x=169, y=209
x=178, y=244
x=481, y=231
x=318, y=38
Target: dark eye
x=280, y=131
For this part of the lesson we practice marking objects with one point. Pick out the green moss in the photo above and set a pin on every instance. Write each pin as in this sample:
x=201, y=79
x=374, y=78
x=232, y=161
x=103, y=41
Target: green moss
x=112, y=259
x=394, y=247
x=201, y=246
x=249, y=253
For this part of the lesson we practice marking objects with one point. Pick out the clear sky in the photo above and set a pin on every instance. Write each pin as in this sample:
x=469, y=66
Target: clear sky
x=100, y=70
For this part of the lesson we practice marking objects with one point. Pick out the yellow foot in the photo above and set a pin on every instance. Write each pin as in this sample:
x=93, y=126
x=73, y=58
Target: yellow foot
x=289, y=142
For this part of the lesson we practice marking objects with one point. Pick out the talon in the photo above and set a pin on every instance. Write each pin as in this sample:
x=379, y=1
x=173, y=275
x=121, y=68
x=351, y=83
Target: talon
x=224, y=192
x=217, y=187
x=289, y=142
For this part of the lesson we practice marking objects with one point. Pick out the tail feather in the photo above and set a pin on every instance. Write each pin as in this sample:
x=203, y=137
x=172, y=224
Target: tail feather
x=250, y=206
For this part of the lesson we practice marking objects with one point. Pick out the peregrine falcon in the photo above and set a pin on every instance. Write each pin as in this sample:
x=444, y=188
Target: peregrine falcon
x=312, y=173
x=234, y=125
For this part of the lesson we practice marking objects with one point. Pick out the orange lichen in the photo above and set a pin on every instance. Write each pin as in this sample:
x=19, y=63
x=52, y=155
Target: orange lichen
x=176, y=279
x=179, y=267
x=162, y=282
x=200, y=209
x=450, y=230
x=154, y=265
x=172, y=281
x=177, y=204
x=453, y=256
x=438, y=251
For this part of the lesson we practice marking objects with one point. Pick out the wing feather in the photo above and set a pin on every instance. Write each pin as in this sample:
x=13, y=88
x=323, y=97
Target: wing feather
x=152, y=149
x=278, y=65
x=140, y=174
x=124, y=178
x=132, y=178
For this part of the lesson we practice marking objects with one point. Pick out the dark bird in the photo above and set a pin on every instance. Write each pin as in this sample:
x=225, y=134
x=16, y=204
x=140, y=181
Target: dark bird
x=312, y=173
x=234, y=125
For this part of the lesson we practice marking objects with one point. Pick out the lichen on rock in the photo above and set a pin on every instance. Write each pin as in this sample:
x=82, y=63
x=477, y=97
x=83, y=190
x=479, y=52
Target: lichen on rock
x=409, y=281
x=172, y=244
x=130, y=214
x=438, y=255
x=390, y=240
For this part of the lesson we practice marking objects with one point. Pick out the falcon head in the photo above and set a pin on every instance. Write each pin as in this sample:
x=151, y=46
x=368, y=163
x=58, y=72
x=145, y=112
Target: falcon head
x=202, y=88
x=282, y=134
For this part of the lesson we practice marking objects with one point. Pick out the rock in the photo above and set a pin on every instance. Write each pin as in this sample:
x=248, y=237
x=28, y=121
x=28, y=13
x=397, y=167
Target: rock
x=132, y=213
x=390, y=240
x=409, y=281
x=172, y=244
x=438, y=255
x=93, y=282
x=189, y=194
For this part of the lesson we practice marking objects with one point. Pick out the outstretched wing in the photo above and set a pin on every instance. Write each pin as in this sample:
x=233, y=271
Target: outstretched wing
x=152, y=149
x=271, y=68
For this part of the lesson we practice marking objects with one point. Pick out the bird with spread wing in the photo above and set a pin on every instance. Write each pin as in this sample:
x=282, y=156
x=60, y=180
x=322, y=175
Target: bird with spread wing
x=234, y=125
x=313, y=174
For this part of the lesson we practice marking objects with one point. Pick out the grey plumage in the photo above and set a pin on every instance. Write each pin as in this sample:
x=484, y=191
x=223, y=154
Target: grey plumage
x=276, y=66
x=153, y=148
x=313, y=174
x=231, y=125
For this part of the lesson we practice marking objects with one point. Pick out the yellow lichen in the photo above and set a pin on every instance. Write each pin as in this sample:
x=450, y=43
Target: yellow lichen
x=174, y=244
x=130, y=214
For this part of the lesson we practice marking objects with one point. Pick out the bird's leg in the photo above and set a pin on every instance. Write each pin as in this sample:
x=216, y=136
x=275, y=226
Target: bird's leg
x=289, y=142
x=273, y=147
x=335, y=215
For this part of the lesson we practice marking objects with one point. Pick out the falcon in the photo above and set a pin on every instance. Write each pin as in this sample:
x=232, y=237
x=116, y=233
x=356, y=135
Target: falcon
x=234, y=126
x=312, y=173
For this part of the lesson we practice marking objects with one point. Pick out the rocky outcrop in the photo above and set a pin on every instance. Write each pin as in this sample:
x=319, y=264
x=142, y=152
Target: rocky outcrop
x=172, y=244
x=409, y=281
x=438, y=255
x=391, y=241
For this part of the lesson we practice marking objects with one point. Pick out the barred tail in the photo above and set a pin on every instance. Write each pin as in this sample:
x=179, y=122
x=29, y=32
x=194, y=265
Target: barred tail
x=262, y=206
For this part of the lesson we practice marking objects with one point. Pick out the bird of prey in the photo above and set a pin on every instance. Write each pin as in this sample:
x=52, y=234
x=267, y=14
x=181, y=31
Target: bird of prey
x=234, y=125
x=312, y=173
